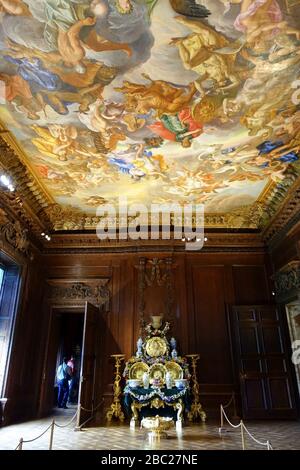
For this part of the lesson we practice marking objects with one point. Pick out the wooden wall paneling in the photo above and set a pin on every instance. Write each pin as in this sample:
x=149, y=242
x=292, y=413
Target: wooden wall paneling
x=23, y=381
x=182, y=315
x=136, y=303
x=251, y=284
x=46, y=399
x=126, y=332
x=210, y=323
x=287, y=251
x=190, y=295
x=111, y=339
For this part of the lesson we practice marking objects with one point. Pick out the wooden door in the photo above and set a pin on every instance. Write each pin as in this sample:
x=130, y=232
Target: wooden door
x=89, y=387
x=261, y=362
x=48, y=374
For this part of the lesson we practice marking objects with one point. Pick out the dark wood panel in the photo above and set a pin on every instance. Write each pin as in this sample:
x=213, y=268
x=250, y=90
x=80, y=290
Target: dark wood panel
x=209, y=323
x=287, y=251
x=250, y=284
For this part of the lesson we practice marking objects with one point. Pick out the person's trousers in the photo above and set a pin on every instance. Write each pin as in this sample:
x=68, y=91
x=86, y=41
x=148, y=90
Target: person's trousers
x=63, y=393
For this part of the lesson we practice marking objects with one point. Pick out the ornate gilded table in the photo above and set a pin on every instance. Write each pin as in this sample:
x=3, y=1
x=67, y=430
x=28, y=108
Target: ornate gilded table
x=151, y=399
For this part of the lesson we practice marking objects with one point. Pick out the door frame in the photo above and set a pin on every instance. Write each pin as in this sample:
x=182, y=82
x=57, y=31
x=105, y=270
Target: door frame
x=77, y=308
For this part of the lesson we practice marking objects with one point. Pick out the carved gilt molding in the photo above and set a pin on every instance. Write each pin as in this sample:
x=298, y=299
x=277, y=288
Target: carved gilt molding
x=89, y=243
x=15, y=234
x=284, y=218
x=287, y=280
x=27, y=186
x=155, y=272
x=97, y=292
x=68, y=218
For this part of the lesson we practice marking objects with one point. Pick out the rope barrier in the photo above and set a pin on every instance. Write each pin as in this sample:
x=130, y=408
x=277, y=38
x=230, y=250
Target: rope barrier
x=254, y=439
x=93, y=409
x=68, y=423
x=243, y=428
x=228, y=421
x=36, y=438
x=55, y=424
x=89, y=411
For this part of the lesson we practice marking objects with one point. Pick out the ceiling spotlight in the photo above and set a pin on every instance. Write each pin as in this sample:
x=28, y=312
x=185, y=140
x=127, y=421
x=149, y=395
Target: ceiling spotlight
x=5, y=180
x=273, y=293
x=198, y=239
x=45, y=235
x=205, y=239
x=183, y=239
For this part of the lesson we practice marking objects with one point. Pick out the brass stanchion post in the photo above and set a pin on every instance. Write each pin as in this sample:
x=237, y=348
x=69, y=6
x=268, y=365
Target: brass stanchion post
x=20, y=446
x=115, y=408
x=51, y=434
x=243, y=435
x=221, y=419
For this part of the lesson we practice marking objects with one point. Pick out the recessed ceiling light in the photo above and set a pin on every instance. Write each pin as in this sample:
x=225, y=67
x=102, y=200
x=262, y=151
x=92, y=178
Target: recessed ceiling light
x=5, y=180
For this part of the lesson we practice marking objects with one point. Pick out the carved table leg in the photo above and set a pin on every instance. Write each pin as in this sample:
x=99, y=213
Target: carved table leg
x=135, y=416
x=180, y=407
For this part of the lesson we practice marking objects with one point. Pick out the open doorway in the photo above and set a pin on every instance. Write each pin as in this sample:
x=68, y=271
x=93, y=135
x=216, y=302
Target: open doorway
x=70, y=336
x=65, y=339
x=76, y=331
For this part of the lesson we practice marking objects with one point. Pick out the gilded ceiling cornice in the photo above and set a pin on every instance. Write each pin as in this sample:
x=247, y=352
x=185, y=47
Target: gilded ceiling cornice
x=68, y=218
x=28, y=197
x=88, y=242
x=285, y=215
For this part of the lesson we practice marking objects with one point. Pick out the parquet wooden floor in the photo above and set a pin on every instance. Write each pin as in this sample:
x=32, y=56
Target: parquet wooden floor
x=282, y=435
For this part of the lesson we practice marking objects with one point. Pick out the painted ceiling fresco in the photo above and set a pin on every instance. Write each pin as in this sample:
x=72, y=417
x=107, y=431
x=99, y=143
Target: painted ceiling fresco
x=159, y=100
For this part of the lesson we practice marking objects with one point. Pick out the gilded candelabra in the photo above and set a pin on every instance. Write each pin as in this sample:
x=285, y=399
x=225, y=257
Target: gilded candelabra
x=115, y=408
x=196, y=407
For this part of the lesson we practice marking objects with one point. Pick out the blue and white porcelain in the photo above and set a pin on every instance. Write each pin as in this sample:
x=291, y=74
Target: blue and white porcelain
x=181, y=383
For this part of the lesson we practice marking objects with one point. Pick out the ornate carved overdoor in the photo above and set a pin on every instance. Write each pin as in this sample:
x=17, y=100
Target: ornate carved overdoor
x=76, y=293
x=156, y=272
